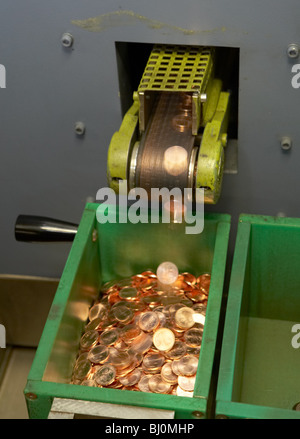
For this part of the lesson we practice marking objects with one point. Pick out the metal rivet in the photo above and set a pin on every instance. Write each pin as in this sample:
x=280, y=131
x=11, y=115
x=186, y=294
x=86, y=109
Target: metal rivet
x=31, y=396
x=67, y=40
x=198, y=415
x=79, y=128
x=94, y=235
x=286, y=143
x=293, y=50
x=297, y=407
x=222, y=417
x=203, y=97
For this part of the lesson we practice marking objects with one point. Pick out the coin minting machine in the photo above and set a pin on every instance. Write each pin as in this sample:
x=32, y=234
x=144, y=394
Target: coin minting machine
x=179, y=102
x=209, y=98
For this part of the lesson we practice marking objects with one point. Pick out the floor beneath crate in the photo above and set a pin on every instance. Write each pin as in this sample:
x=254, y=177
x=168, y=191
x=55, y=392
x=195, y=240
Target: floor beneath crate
x=15, y=364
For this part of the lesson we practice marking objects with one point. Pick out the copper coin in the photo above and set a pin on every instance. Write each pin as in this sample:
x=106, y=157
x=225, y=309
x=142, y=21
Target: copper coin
x=109, y=337
x=182, y=123
x=180, y=392
x=89, y=383
x=143, y=383
x=163, y=339
x=89, y=340
x=128, y=293
x=148, y=321
x=177, y=351
x=188, y=365
x=82, y=370
x=98, y=354
x=184, y=317
x=187, y=383
x=120, y=359
x=123, y=314
x=197, y=295
x=153, y=360
x=200, y=308
x=97, y=311
x=82, y=356
x=193, y=351
x=105, y=375
x=93, y=325
x=131, y=378
x=167, y=374
x=204, y=280
x=158, y=385
x=189, y=278
x=124, y=283
x=175, y=368
x=129, y=332
x=141, y=344
x=193, y=337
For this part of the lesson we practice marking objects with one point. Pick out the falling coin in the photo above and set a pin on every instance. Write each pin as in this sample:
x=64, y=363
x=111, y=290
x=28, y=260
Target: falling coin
x=184, y=317
x=105, y=375
x=188, y=365
x=164, y=339
x=148, y=321
x=187, y=383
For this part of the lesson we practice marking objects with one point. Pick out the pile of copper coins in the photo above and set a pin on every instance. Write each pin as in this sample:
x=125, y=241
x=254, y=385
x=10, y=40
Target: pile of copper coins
x=143, y=337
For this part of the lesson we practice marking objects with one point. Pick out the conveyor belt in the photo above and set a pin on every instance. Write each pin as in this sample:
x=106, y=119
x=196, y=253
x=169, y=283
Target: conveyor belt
x=170, y=126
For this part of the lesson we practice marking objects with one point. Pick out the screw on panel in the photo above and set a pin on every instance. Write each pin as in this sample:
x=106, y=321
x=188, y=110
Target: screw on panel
x=94, y=235
x=293, y=50
x=222, y=417
x=198, y=415
x=31, y=396
x=79, y=128
x=286, y=143
x=297, y=407
x=67, y=40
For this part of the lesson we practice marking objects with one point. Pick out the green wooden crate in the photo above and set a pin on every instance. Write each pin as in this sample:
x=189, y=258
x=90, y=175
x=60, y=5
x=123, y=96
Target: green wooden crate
x=259, y=368
x=102, y=252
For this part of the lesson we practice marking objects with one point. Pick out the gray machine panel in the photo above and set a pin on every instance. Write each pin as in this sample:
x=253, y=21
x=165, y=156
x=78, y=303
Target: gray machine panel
x=47, y=170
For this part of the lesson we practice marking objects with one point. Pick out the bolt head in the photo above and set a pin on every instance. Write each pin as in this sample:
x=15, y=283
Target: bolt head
x=79, y=128
x=67, y=40
x=293, y=50
x=286, y=143
x=198, y=415
x=297, y=407
x=31, y=396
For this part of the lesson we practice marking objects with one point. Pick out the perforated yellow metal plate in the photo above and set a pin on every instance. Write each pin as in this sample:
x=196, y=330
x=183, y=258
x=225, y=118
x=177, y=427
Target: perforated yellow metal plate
x=177, y=68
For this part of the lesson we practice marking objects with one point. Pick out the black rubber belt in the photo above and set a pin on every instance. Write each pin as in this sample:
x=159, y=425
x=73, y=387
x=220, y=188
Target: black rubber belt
x=163, y=132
